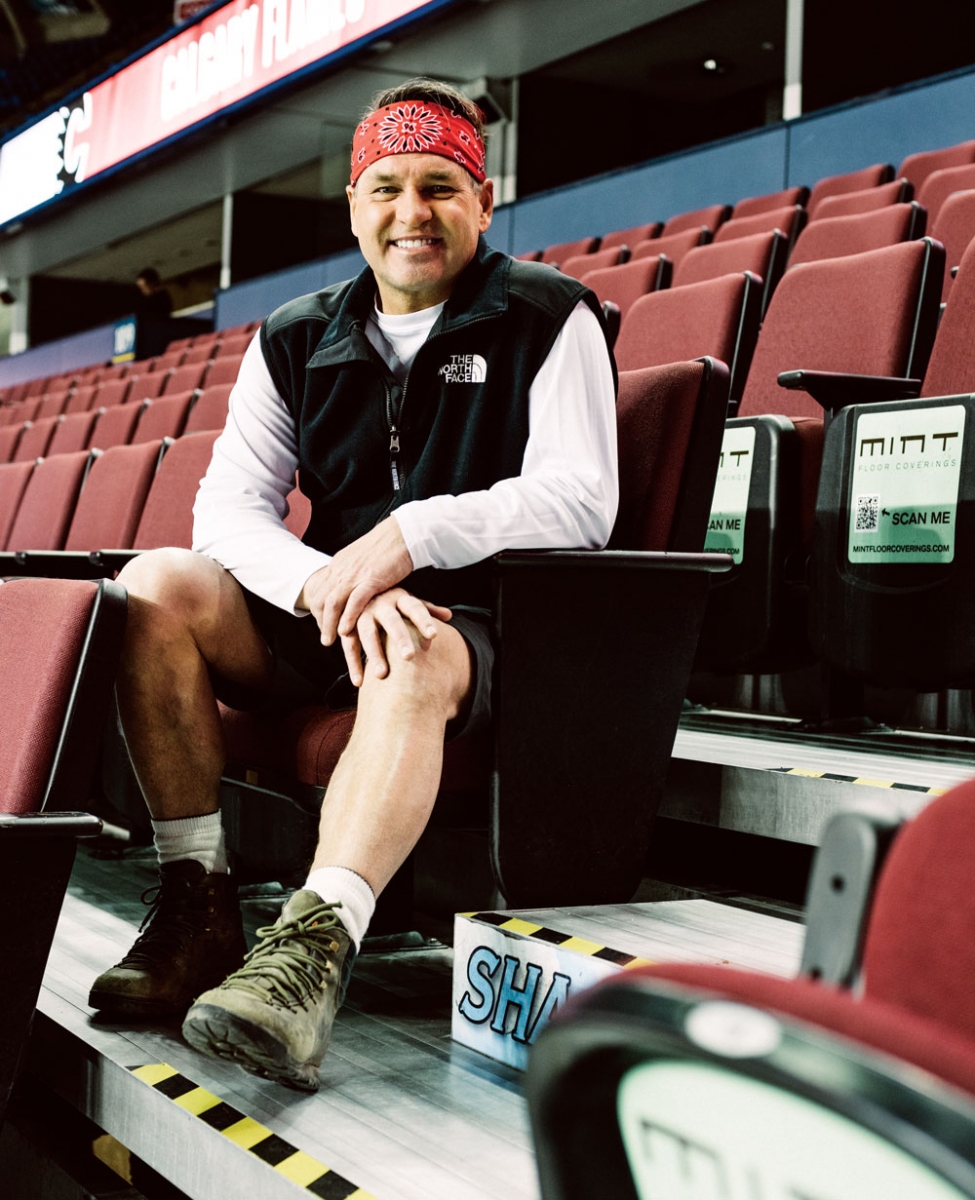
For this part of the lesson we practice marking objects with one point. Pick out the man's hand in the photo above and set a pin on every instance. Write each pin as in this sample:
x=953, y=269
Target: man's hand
x=389, y=625
x=337, y=594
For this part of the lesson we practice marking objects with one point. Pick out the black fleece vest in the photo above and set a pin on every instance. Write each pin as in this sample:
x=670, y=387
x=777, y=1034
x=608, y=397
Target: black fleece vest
x=367, y=445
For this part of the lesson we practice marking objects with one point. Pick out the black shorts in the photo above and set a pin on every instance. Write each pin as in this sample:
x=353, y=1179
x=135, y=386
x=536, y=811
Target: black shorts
x=306, y=672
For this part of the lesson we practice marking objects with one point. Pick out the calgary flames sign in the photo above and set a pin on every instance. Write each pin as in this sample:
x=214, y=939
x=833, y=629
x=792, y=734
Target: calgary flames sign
x=227, y=58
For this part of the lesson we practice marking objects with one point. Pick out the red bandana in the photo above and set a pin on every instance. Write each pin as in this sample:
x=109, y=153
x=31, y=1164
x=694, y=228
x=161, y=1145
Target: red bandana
x=416, y=127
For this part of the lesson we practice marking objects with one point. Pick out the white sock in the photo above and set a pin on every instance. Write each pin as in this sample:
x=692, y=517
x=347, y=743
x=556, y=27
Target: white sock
x=339, y=885
x=192, y=837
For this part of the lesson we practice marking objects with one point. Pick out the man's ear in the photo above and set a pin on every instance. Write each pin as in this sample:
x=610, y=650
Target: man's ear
x=486, y=198
x=350, y=192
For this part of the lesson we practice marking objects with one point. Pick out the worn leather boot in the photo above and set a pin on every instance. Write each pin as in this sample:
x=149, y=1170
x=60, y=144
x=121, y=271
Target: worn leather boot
x=192, y=938
x=274, y=1016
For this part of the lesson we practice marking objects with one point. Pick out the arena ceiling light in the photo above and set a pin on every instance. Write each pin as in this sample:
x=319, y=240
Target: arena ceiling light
x=228, y=58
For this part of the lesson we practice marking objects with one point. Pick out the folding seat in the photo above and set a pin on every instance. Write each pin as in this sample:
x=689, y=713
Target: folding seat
x=35, y=439
x=163, y=417
x=563, y=250
x=62, y=383
x=853, y=181
x=37, y=387
x=113, y=392
x=72, y=432
x=763, y=254
x=110, y=506
x=222, y=370
x=166, y=362
x=115, y=426
x=236, y=330
x=623, y=284
x=917, y=167
x=891, y=588
x=580, y=264
x=631, y=237
x=18, y=393
x=148, y=387
x=874, y=314
x=135, y=368
x=51, y=404
x=666, y=1080
x=787, y=198
x=48, y=502
x=80, y=399
x=184, y=379
x=200, y=354
x=13, y=482
x=547, y=845
x=789, y=220
x=710, y=218
x=167, y=518
x=954, y=229
x=210, y=409
x=834, y=237
x=673, y=247
x=9, y=413
x=719, y=317
x=9, y=437
x=113, y=371
x=183, y=343
x=59, y=645
x=939, y=185
x=845, y=204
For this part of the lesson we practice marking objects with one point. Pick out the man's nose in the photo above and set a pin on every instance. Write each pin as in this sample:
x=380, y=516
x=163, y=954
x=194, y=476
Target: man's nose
x=413, y=207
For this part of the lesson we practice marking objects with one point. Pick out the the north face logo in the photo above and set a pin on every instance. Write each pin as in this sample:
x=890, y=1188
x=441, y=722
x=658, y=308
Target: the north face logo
x=464, y=368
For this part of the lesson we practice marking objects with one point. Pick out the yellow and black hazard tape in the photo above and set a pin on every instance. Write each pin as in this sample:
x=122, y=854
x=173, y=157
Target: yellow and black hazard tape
x=296, y=1165
x=564, y=941
x=862, y=780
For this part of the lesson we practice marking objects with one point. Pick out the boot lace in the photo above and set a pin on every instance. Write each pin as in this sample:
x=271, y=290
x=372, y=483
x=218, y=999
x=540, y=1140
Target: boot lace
x=280, y=970
x=165, y=930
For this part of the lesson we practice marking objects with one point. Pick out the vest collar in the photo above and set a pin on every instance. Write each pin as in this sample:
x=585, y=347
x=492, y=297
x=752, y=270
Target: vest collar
x=481, y=291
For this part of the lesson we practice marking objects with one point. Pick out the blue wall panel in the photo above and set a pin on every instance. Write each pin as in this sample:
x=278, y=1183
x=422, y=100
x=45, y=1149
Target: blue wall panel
x=80, y=350
x=884, y=129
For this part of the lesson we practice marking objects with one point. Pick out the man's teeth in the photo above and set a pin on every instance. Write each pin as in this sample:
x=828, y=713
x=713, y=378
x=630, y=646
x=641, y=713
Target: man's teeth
x=413, y=243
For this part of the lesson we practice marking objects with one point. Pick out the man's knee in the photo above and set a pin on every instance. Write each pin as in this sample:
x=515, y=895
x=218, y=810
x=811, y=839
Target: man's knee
x=178, y=581
x=438, y=676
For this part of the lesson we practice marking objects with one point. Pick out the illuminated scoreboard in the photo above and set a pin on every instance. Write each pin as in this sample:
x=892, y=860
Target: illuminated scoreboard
x=226, y=59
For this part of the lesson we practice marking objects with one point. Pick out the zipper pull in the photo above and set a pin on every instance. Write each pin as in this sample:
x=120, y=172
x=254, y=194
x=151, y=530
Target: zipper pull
x=393, y=441
x=393, y=451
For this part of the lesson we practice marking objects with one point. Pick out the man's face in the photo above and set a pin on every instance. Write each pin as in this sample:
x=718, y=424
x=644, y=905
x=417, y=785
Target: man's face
x=417, y=218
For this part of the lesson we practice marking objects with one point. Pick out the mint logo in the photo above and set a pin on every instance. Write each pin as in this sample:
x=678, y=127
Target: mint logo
x=464, y=368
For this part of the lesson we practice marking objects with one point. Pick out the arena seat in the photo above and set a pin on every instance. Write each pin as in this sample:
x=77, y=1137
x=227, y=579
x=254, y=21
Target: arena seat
x=673, y=247
x=668, y=1078
x=580, y=264
x=222, y=370
x=9, y=437
x=867, y=584
x=59, y=645
x=183, y=343
x=834, y=237
x=632, y=236
x=846, y=204
x=13, y=483
x=939, y=185
x=917, y=167
x=624, y=284
x=752, y=205
x=852, y=181
x=167, y=361
x=719, y=317
x=874, y=314
x=200, y=354
x=113, y=392
x=954, y=229
x=763, y=254
x=183, y=379
x=72, y=432
x=571, y=802
x=51, y=404
x=35, y=439
x=148, y=387
x=211, y=408
x=48, y=503
x=710, y=218
x=788, y=220
x=80, y=399
x=163, y=417
x=115, y=426
x=554, y=255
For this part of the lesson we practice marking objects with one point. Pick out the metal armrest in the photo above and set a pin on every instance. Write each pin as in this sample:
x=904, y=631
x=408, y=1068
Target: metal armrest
x=834, y=390
x=49, y=824
x=65, y=564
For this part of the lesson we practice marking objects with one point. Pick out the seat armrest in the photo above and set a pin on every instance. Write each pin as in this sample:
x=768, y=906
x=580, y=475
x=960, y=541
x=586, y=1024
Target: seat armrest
x=53, y=564
x=834, y=390
x=49, y=824
x=615, y=560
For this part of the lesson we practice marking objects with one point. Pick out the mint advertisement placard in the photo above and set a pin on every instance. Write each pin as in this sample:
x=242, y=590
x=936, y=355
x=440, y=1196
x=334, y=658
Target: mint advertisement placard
x=726, y=525
x=904, y=493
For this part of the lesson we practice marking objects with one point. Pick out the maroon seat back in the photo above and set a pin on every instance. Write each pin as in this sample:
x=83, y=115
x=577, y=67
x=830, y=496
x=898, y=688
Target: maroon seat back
x=847, y=204
x=108, y=510
x=753, y=253
x=166, y=362
x=222, y=370
x=233, y=346
x=51, y=405
x=674, y=246
x=199, y=354
x=184, y=379
x=954, y=229
x=632, y=236
x=211, y=408
x=35, y=440
x=13, y=482
x=48, y=503
x=112, y=392
x=624, y=284
x=917, y=167
x=835, y=237
x=710, y=218
x=761, y=204
x=789, y=220
x=952, y=366
x=939, y=185
x=162, y=418
x=80, y=399
x=852, y=181
x=870, y=314
x=562, y=250
x=114, y=426
x=72, y=432
x=581, y=264
x=9, y=437
x=147, y=387
x=167, y=518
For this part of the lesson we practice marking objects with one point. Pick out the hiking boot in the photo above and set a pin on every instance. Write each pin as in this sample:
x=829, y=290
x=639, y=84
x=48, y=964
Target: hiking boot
x=191, y=938
x=274, y=1016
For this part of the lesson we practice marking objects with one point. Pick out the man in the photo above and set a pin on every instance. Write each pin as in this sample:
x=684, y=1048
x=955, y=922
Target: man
x=155, y=303
x=444, y=405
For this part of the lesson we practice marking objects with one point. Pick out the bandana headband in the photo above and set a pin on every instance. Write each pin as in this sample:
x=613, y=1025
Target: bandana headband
x=416, y=127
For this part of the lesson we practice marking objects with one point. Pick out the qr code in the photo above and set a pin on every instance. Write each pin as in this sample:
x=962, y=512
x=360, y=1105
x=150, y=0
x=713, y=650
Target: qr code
x=868, y=514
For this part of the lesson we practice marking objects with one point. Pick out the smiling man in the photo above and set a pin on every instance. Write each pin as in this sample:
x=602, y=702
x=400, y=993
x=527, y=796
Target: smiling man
x=446, y=404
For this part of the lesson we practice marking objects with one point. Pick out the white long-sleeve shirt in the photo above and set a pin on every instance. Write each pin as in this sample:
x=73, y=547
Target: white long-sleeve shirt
x=565, y=497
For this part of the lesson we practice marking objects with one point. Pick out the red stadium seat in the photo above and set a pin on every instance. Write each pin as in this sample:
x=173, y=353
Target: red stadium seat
x=939, y=185
x=231, y=347
x=852, y=181
x=163, y=417
x=955, y=229
x=13, y=482
x=48, y=503
x=763, y=254
x=917, y=167
x=834, y=237
x=789, y=220
x=80, y=399
x=111, y=502
x=72, y=432
x=148, y=387
x=167, y=361
x=623, y=284
x=113, y=392
x=167, y=518
x=562, y=250
x=710, y=218
x=630, y=237
x=847, y=204
x=673, y=247
x=753, y=205
x=200, y=354
x=210, y=409
x=222, y=370
x=35, y=440
x=115, y=426
x=580, y=264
